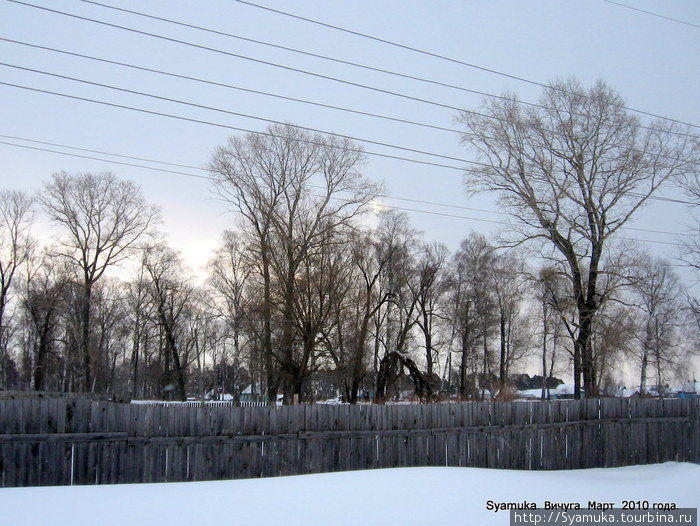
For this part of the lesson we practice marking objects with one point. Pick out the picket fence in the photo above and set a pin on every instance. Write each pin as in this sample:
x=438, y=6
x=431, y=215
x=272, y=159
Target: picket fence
x=63, y=441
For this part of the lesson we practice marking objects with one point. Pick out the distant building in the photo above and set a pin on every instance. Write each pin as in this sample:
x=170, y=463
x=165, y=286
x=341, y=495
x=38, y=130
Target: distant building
x=690, y=390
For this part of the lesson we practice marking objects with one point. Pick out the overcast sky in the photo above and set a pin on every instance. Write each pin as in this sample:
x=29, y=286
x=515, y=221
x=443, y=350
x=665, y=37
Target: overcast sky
x=653, y=62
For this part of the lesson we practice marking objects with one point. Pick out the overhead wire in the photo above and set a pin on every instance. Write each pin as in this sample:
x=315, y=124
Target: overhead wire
x=217, y=109
x=434, y=55
x=264, y=93
x=351, y=63
x=383, y=196
x=230, y=86
x=393, y=207
x=307, y=53
x=68, y=154
x=269, y=134
x=237, y=114
x=240, y=56
x=422, y=201
x=256, y=117
x=224, y=126
x=626, y=6
x=298, y=70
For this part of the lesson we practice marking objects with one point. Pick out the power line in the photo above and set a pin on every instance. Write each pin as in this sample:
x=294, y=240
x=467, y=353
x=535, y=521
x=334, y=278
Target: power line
x=653, y=14
x=192, y=167
x=347, y=62
x=307, y=53
x=393, y=207
x=243, y=57
x=254, y=117
x=231, y=86
x=237, y=114
x=268, y=134
x=434, y=55
x=384, y=196
x=102, y=152
x=80, y=156
x=275, y=95
x=391, y=43
x=36, y=148
x=249, y=116
x=246, y=130
x=225, y=126
x=290, y=68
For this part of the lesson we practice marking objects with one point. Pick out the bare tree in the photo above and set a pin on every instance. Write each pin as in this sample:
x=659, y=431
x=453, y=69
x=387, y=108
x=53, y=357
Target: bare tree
x=102, y=218
x=507, y=277
x=322, y=280
x=291, y=188
x=658, y=293
x=690, y=243
x=432, y=286
x=229, y=274
x=356, y=306
x=572, y=172
x=44, y=302
x=138, y=305
x=472, y=310
x=553, y=316
x=399, y=282
x=16, y=218
x=171, y=295
x=612, y=340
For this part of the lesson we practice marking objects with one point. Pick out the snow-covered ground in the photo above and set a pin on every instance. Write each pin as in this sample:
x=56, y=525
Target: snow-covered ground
x=408, y=496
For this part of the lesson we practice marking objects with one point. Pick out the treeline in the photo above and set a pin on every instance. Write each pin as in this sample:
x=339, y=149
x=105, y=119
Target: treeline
x=359, y=310
x=313, y=295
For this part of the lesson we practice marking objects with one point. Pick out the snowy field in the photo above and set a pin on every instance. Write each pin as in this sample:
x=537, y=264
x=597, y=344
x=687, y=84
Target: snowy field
x=407, y=496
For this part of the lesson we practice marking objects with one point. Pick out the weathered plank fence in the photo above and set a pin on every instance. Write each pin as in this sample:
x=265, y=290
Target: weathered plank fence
x=59, y=441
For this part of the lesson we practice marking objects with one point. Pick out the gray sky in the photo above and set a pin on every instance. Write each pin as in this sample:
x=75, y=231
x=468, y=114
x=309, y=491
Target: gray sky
x=652, y=62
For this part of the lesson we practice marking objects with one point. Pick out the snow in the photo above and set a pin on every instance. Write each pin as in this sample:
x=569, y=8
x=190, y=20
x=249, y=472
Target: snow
x=387, y=497
x=530, y=393
x=561, y=390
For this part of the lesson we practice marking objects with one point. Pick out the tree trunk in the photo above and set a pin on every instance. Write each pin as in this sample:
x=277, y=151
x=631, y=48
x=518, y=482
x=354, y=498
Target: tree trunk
x=85, y=334
x=179, y=392
x=428, y=343
x=544, y=353
x=271, y=377
x=503, y=357
x=463, y=366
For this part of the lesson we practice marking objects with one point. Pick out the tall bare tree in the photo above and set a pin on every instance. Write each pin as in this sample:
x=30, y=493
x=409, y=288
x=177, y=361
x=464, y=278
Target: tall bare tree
x=171, y=295
x=553, y=318
x=572, y=172
x=16, y=218
x=472, y=310
x=658, y=297
x=229, y=275
x=102, y=218
x=432, y=286
x=291, y=188
x=44, y=302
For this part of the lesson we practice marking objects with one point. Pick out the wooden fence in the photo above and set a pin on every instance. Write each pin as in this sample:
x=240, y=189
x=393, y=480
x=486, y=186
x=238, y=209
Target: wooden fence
x=59, y=441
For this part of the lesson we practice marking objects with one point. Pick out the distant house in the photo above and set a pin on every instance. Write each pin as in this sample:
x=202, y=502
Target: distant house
x=563, y=392
x=619, y=391
x=218, y=395
x=530, y=394
x=250, y=394
x=658, y=392
x=689, y=390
